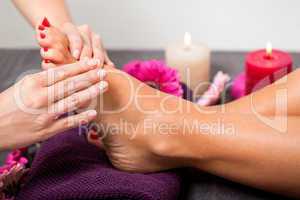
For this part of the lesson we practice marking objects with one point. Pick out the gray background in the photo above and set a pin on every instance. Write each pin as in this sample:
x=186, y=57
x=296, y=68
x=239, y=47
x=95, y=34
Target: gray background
x=143, y=24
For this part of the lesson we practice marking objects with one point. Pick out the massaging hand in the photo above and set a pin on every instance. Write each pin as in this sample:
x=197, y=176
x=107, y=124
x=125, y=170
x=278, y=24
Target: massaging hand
x=84, y=42
x=30, y=110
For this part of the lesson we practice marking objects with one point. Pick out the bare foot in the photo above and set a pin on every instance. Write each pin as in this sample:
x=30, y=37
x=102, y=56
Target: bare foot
x=129, y=118
x=128, y=103
x=54, y=45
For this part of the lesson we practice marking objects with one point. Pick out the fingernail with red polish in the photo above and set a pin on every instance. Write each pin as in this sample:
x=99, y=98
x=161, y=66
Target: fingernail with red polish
x=45, y=22
x=94, y=136
x=41, y=27
x=47, y=61
x=45, y=49
x=42, y=35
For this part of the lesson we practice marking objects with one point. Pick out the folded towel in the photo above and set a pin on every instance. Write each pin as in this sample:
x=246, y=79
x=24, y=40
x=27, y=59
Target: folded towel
x=67, y=167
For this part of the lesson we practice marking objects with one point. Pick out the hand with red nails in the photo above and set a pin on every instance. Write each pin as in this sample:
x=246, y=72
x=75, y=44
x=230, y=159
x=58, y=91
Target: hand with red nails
x=35, y=103
x=81, y=42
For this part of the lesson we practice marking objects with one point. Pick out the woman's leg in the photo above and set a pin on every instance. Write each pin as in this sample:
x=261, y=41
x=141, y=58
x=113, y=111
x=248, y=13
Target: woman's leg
x=257, y=147
x=147, y=130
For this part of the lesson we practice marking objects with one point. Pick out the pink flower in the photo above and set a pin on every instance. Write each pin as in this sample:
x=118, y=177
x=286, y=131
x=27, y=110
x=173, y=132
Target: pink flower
x=11, y=173
x=156, y=74
x=15, y=157
x=238, y=86
x=10, y=180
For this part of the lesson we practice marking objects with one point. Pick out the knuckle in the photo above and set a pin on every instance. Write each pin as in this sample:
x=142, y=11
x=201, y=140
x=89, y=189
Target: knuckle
x=67, y=123
x=69, y=86
x=41, y=121
x=37, y=102
x=31, y=80
x=43, y=134
x=74, y=100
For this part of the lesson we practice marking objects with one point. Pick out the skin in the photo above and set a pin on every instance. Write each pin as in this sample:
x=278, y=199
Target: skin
x=254, y=152
x=83, y=41
x=35, y=103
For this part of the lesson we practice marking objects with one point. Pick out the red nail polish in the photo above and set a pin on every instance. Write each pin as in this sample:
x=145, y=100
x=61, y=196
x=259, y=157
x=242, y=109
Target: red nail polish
x=42, y=35
x=45, y=49
x=94, y=136
x=45, y=22
x=41, y=27
x=47, y=61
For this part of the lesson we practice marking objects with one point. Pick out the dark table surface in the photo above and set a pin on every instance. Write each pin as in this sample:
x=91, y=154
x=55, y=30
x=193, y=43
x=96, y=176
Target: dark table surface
x=199, y=186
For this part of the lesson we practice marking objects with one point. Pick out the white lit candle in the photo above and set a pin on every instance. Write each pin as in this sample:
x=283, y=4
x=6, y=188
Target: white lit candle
x=192, y=62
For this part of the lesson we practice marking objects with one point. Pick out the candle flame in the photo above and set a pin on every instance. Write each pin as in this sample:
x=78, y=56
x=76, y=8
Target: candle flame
x=187, y=39
x=269, y=48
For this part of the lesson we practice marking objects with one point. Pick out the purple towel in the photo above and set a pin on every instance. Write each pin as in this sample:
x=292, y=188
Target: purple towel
x=67, y=167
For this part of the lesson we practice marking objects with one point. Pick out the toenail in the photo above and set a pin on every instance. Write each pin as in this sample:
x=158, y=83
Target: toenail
x=45, y=49
x=45, y=22
x=47, y=61
x=41, y=27
x=42, y=35
x=94, y=136
x=102, y=73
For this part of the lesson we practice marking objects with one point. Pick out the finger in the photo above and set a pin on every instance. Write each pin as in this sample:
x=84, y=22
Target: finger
x=86, y=35
x=107, y=60
x=70, y=122
x=74, y=37
x=98, y=49
x=73, y=102
x=74, y=84
x=55, y=75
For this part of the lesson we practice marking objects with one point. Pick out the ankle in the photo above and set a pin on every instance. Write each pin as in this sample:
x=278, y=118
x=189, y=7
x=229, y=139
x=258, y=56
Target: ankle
x=180, y=142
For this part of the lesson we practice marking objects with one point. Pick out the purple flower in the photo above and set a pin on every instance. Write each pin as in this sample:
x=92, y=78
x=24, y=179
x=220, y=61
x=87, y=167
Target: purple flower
x=156, y=74
x=213, y=94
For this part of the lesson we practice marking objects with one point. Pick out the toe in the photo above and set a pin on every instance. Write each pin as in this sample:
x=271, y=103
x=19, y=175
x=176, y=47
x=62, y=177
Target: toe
x=94, y=139
x=44, y=38
x=46, y=64
x=53, y=55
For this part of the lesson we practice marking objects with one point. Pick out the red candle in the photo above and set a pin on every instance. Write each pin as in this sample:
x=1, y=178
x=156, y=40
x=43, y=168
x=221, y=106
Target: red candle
x=263, y=67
